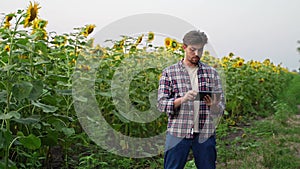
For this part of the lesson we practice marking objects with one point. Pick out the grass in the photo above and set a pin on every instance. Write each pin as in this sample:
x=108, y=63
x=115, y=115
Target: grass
x=266, y=144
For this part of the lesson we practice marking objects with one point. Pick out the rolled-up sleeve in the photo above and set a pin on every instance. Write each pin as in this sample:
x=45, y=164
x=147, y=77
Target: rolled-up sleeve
x=165, y=95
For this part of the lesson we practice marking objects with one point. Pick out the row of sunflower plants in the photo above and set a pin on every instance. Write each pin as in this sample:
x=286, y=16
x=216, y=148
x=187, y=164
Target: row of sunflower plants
x=36, y=111
x=252, y=87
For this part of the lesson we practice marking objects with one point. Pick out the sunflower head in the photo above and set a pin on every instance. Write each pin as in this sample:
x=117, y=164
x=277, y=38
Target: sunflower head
x=150, y=36
x=168, y=42
x=261, y=80
x=174, y=45
x=8, y=18
x=139, y=39
x=7, y=48
x=239, y=63
x=88, y=30
x=119, y=45
x=32, y=12
x=39, y=24
x=267, y=62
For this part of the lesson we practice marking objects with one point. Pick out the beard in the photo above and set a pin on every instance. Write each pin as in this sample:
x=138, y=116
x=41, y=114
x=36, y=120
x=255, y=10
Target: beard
x=194, y=60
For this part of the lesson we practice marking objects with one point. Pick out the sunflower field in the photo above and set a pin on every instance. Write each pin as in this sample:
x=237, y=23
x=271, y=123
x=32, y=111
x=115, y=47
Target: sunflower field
x=39, y=124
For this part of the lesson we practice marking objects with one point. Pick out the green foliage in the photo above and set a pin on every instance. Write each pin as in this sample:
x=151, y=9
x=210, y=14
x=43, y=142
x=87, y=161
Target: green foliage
x=272, y=142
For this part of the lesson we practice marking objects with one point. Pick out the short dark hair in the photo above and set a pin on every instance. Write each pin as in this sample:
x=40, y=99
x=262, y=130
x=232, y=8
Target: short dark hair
x=194, y=37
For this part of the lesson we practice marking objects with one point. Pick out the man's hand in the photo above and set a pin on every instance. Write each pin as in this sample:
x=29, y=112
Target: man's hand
x=211, y=101
x=190, y=95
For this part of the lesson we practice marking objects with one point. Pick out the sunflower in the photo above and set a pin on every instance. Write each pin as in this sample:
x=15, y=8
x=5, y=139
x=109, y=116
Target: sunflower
x=88, y=30
x=8, y=18
x=39, y=24
x=261, y=80
x=225, y=59
x=150, y=36
x=119, y=45
x=139, y=40
x=7, y=48
x=168, y=42
x=239, y=63
x=6, y=25
x=31, y=14
x=255, y=65
x=267, y=62
x=174, y=44
x=231, y=54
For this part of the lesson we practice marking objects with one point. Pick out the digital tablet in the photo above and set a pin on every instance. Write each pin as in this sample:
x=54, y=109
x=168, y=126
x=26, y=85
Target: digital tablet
x=201, y=95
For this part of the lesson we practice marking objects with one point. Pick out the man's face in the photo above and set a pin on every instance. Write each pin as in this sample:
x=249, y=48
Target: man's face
x=193, y=53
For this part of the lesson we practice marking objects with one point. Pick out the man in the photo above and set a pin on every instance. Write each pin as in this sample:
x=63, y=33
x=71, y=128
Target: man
x=191, y=121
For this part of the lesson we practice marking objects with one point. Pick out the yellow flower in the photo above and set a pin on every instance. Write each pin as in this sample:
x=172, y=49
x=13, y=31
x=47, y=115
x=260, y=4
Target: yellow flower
x=119, y=45
x=7, y=25
x=231, y=55
x=224, y=65
x=277, y=69
x=150, y=36
x=8, y=18
x=139, y=40
x=261, y=80
x=73, y=61
x=168, y=42
x=39, y=24
x=206, y=53
x=239, y=63
x=255, y=65
x=32, y=12
x=174, y=44
x=225, y=59
x=88, y=30
x=267, y=62
x=7, y=48
x=117, y=58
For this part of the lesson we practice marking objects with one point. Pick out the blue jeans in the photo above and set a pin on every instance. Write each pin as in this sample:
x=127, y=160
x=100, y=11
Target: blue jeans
x=177, y=151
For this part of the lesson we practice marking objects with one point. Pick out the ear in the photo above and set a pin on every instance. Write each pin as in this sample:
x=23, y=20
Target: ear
x=184, y=46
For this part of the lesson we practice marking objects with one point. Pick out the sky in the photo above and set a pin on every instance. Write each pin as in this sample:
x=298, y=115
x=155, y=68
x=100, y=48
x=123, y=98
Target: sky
x=252, y=29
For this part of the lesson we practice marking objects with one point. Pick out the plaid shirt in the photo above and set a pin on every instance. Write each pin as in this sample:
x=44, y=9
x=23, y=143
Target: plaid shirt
x=175, y=83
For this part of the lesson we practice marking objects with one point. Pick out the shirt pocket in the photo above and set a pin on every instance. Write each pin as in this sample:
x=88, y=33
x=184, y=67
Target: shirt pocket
x=206, y=84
